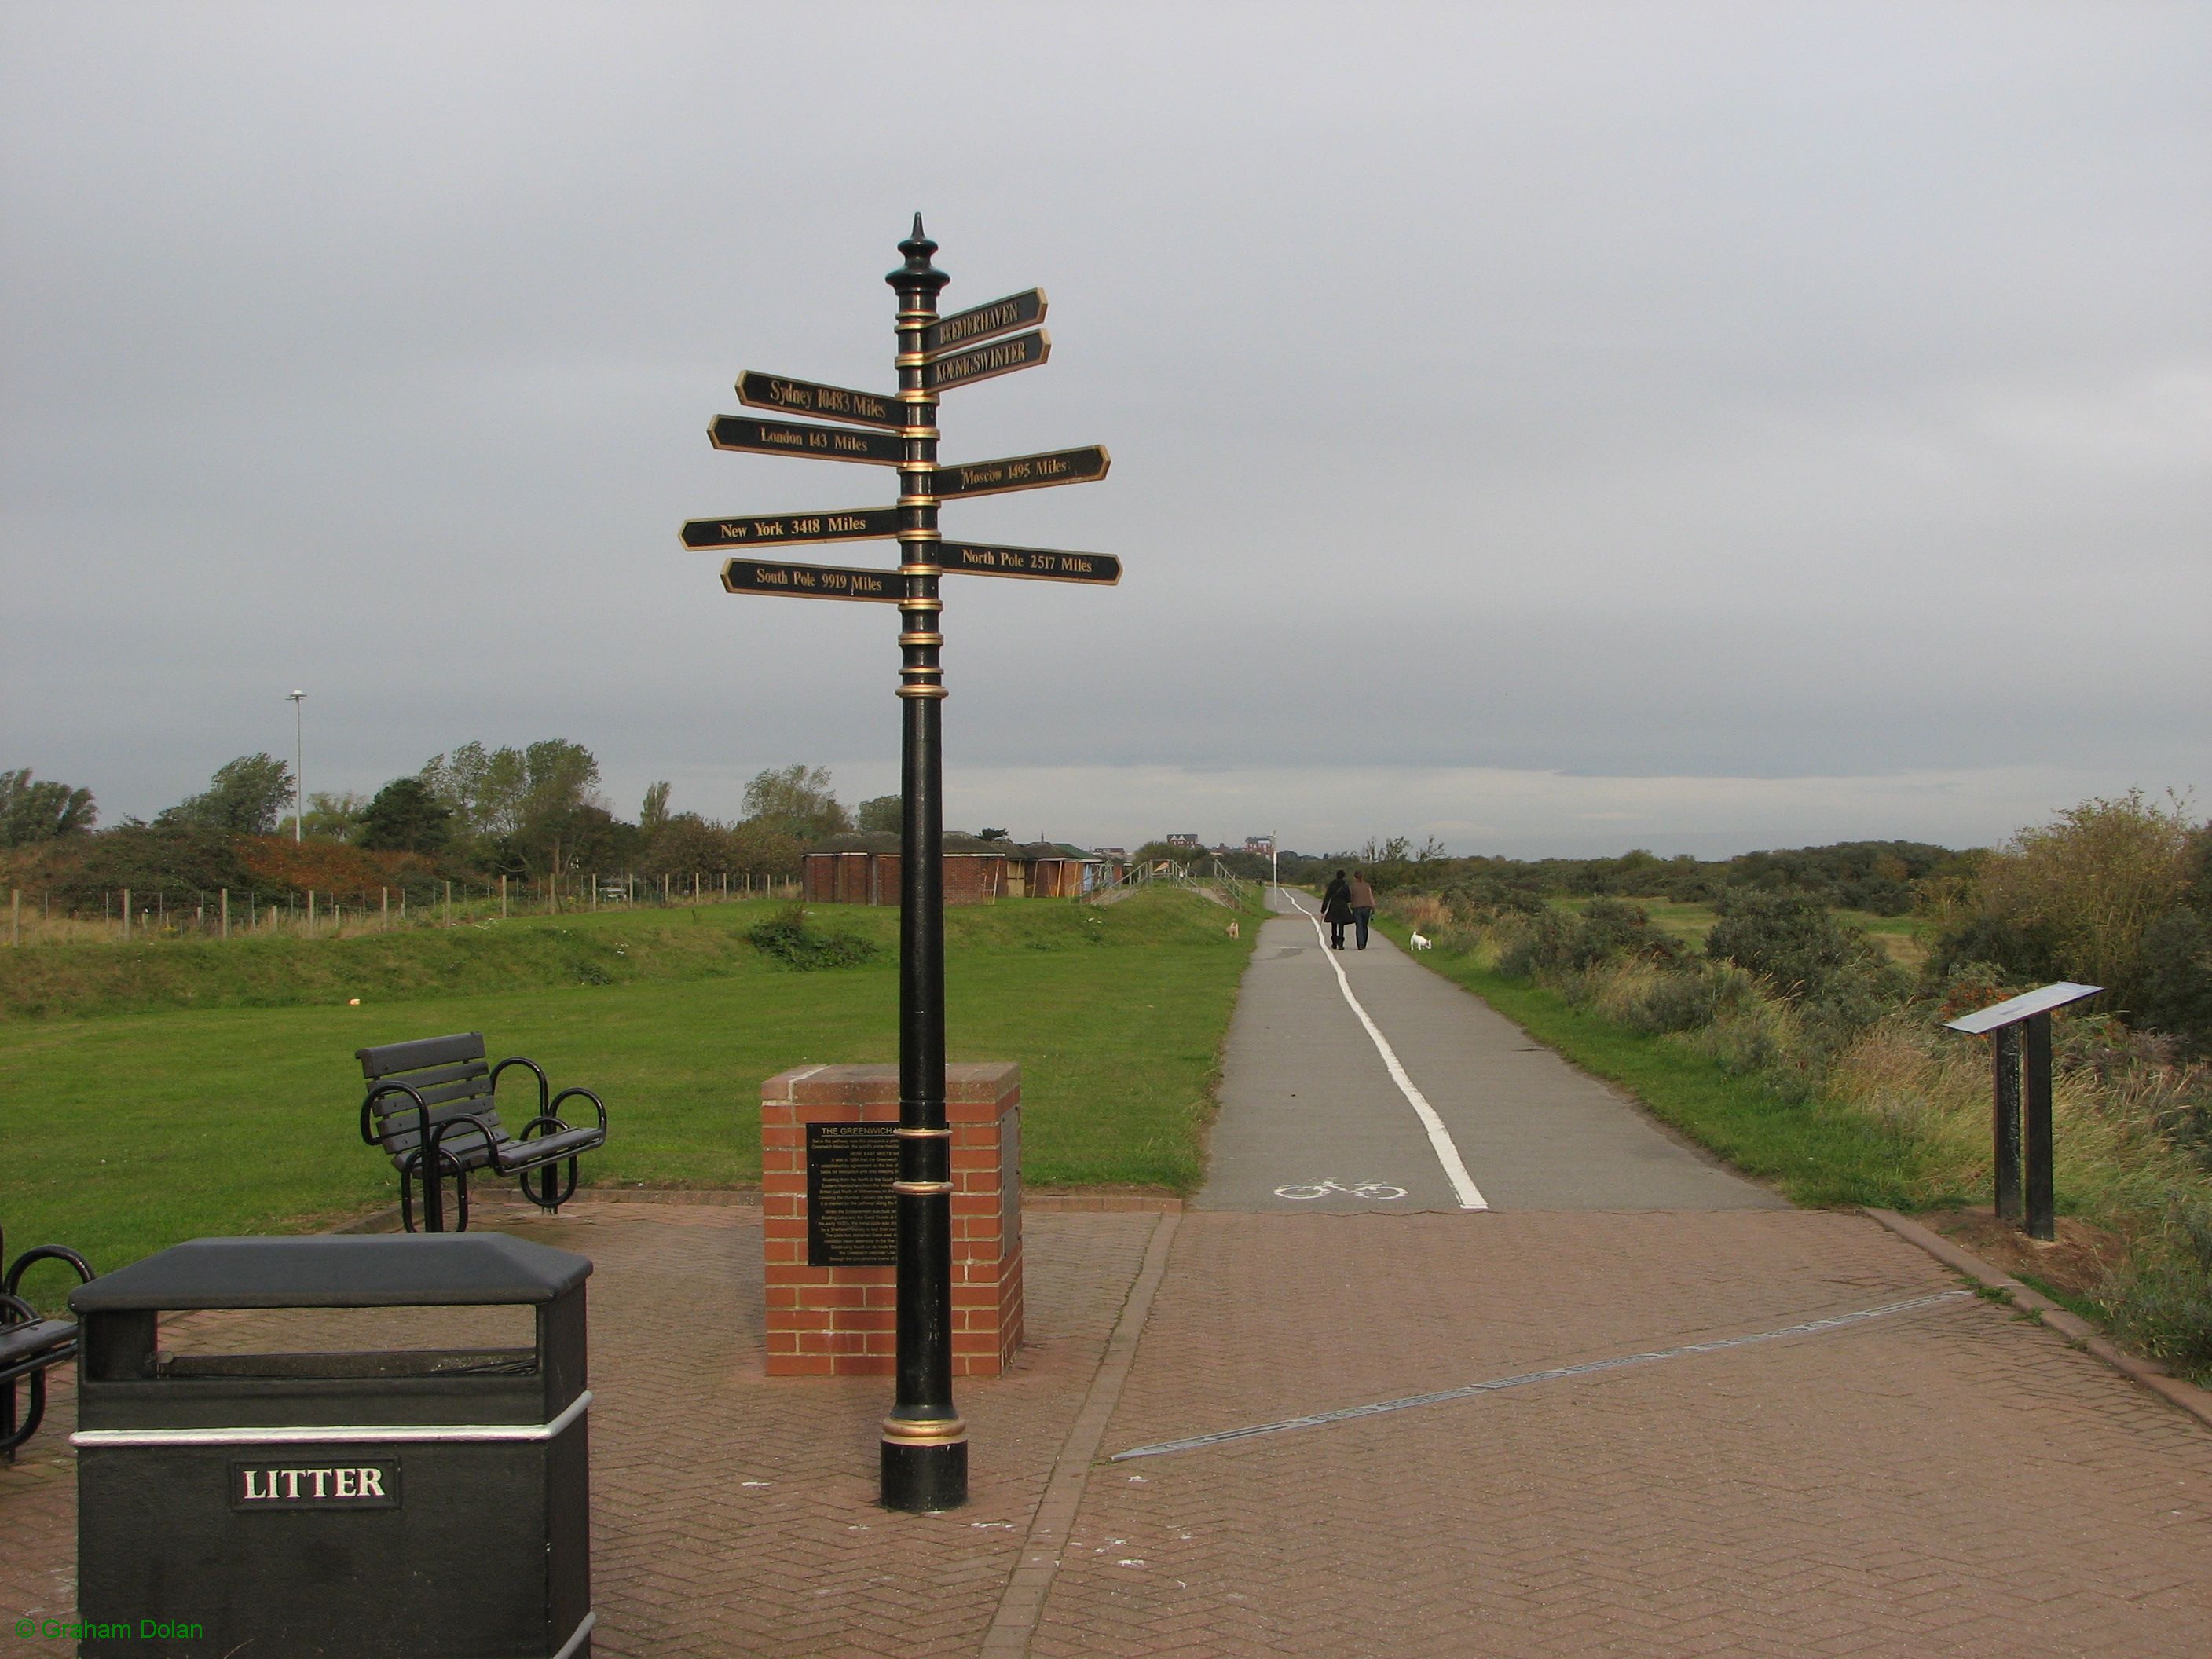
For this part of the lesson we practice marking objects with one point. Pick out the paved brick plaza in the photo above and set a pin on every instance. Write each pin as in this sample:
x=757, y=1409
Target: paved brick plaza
x=1951, y=1480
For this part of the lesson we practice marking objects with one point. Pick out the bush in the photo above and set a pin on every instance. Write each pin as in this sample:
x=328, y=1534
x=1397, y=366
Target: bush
x=1680, y=1001
x=1805, y=953
x=788, y=939
x=2177, y=977
x=2077, y=898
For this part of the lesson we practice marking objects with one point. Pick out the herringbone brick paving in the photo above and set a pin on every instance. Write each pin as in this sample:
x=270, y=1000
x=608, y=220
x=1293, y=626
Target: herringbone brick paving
x=1949, y=1481
x=733, y=1513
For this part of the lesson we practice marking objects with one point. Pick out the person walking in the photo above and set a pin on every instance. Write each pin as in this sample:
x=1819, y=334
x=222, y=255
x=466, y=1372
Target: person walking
x=1336, y=909
x=1363, y=904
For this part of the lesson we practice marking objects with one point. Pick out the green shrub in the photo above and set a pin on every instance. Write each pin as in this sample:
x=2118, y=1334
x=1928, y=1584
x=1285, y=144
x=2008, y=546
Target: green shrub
x=1800, y=949
x=787, y=938
x=1679, y=1001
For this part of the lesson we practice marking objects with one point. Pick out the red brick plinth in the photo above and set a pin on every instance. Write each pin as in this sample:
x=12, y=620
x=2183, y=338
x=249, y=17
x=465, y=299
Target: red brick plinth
x=839, y=1321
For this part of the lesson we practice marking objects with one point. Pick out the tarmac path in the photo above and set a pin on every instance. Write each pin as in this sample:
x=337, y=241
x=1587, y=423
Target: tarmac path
x=1315, y=1115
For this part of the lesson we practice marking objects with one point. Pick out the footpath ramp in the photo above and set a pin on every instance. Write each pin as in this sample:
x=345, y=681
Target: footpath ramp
x=1442, y=1104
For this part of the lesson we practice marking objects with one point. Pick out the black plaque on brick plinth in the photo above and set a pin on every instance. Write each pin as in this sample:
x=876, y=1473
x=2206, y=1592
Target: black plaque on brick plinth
x=852, y=1219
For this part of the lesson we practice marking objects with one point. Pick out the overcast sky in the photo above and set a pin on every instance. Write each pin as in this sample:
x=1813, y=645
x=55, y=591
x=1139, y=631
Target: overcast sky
x=1551, y=429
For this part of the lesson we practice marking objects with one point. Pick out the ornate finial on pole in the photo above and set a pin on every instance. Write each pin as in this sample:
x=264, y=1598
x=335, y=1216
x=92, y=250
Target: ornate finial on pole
x=917, y=274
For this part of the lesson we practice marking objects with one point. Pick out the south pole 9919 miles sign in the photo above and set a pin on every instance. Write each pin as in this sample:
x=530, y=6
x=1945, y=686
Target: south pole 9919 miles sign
x=924, y=1450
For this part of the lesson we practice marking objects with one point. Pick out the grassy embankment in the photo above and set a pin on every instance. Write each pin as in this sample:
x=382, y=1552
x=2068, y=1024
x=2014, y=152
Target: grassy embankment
x=189, y=1089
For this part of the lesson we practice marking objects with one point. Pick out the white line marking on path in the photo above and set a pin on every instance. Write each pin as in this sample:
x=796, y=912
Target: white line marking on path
x=1470, y=1195
x=1809, y=1327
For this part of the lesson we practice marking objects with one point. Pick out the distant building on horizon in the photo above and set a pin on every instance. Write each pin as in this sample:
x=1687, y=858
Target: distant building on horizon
x=1187, y=839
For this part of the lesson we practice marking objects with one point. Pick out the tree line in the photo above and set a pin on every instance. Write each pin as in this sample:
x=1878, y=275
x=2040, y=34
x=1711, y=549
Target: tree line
x=534, y=813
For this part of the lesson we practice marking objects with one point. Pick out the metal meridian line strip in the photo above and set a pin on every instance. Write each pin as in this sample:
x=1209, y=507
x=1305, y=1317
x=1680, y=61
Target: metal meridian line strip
x=386, y=1434
x=1349, y=1413
x=1470, y=1195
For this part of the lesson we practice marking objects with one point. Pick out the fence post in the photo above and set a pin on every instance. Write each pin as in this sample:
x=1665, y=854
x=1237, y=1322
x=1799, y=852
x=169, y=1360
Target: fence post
x=126, y=915
x=311, y=913
x=595, y=890
x=222, y=906
x=384, y=893
x=449, y=904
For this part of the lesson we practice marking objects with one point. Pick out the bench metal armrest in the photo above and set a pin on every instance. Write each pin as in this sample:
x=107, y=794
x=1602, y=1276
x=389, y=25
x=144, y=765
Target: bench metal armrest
x=377, y=1094
x=44, y=1253
x=553, y=1111
x=434, y=1144
x=535, y=1070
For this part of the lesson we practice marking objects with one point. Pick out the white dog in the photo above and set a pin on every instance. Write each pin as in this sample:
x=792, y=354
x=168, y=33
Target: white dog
x=1420, y=943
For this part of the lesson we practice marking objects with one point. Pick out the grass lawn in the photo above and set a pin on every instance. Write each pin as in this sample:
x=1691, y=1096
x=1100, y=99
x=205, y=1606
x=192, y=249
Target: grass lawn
x=1816, y=1154
x=123, y=1133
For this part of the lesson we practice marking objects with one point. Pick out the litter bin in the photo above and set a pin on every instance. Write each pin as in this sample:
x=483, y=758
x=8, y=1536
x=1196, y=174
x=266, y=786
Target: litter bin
x=388, y=1500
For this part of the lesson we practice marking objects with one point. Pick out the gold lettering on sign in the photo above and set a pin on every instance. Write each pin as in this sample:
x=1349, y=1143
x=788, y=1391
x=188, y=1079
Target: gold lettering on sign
x=1007, y=353
x=983, y=320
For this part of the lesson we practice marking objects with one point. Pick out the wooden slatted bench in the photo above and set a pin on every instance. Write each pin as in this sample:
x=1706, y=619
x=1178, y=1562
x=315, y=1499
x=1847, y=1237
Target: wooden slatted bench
x=30, y=1344
x=430, y=1106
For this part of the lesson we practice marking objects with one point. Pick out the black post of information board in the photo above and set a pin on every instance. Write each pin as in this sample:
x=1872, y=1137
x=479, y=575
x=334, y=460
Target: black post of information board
x=2004, y=1057
x=2041, y=1207
x=925, y=1443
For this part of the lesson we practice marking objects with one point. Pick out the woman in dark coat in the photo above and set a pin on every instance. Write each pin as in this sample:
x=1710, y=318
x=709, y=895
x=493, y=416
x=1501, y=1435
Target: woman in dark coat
x=1336, y=909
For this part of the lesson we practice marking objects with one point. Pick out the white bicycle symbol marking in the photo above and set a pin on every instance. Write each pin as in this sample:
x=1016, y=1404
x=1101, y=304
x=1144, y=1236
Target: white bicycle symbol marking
x=1377, y=1189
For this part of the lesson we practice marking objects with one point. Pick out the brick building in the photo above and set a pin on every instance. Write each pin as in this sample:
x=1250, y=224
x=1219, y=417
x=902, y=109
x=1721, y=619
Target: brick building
x=863, y=868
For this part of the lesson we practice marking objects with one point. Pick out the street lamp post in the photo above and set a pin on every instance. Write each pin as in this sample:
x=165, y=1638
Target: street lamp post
x=299, y=768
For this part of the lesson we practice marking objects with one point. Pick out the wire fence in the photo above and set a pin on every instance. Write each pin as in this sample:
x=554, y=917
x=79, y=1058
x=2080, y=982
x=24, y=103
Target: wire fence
x=60, y=915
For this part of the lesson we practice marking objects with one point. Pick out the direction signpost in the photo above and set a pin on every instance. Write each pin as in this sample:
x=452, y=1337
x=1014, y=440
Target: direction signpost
x=819, y=443
x=863, y=524
x=831, y=403
x=985, y=363
x=1022, y=310
x=1038, y=564
x=924, y=1450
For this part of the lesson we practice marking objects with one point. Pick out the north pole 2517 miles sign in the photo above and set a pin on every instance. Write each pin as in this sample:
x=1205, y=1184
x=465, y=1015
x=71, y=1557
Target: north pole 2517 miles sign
x=1038, y=564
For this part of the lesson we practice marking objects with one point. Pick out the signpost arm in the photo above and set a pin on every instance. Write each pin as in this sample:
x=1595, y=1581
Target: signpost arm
x=2004, y=1055
x=925, y=1443
x=2041, y=1222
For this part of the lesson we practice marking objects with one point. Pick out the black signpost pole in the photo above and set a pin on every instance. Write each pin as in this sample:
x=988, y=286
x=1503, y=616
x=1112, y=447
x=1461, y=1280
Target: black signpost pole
x=925, y=1443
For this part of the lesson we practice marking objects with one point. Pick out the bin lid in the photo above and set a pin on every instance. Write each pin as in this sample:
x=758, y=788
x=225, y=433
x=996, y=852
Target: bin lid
x=407, y=1271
